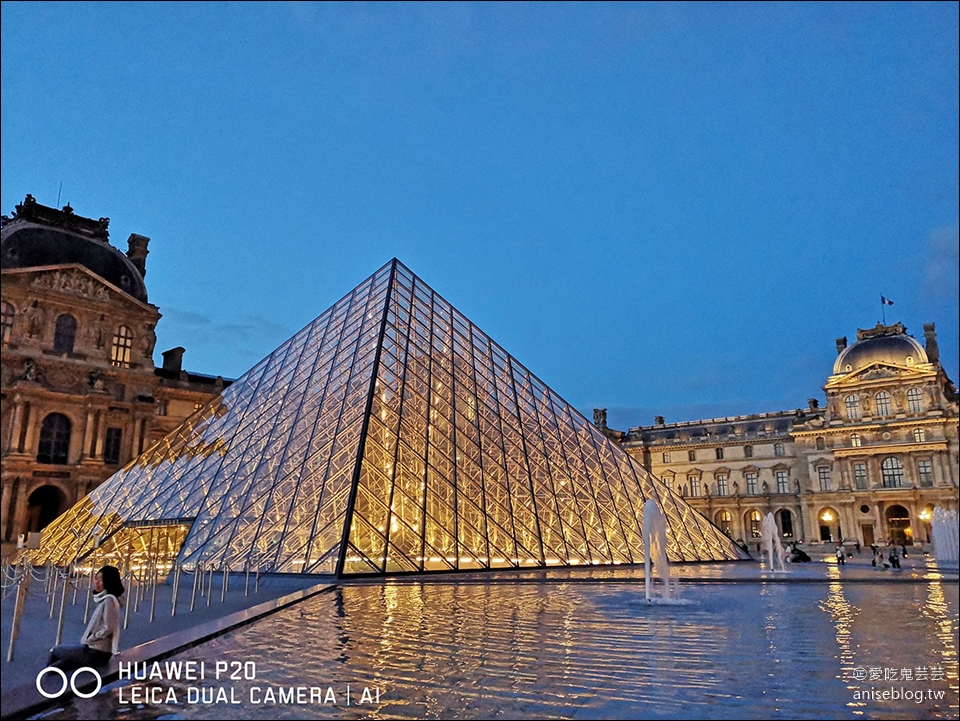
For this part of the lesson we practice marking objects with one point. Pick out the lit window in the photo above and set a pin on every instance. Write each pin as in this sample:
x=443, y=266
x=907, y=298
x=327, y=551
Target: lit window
x=724, y=521
x=122, y=344
x=823, y=473
x=752, y=483
x=754, y=519
x=783, y=482
x=855, y=440
x=883, y=403
x=915, y=400
x=54, y=439
x=691, y=455
x=7, y=314
x=666, y=457
x=694, y=482
x=111, y=446
x=892, y=470
x=918, y=435
x=161, y=408
x=778, y=449
x=65, y=334
x=853, y=407
x=721, y=484
x=925, y=471
x=748, y=451
x=821, y=443
x=860, y=476
x=719, y=454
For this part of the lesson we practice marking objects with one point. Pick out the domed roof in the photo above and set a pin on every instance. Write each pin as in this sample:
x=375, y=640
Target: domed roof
x=40, y=236
x=34, y=246
x=883, y=344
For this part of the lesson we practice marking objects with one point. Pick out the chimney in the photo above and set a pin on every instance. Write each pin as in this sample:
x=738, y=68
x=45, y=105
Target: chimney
x=658, y=421
x=841, y=344
x=137, y=252
x=933, y=350
x=173, y=359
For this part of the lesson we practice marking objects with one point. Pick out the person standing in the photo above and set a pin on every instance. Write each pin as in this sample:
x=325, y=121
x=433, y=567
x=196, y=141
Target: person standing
x=101, y=639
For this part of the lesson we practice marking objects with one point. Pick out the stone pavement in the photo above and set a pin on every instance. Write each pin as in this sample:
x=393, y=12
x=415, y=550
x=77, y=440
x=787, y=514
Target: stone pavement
x=38, y=631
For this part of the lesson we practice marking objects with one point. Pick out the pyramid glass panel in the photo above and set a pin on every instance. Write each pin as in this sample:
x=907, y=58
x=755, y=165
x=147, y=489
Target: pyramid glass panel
x=388, y=436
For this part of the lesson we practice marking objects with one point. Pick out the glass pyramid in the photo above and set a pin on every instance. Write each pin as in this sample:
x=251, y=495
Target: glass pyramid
x=390, y=435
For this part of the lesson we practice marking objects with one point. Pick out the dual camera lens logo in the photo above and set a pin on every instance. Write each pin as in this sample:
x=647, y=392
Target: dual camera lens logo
x=71, y=682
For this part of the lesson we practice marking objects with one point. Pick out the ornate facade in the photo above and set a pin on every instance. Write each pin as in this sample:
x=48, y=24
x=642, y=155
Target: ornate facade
x=868, y=468
x=80, y=394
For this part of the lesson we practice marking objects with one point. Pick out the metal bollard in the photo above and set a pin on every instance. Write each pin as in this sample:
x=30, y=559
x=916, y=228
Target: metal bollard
x=256, y=585
x=246, y=583
x=53, y=592
x=197, y=571
x=86, y=605
x=126, y=608
x=176, y=590
x=63, y=607
x=226, y=582
x=210, y=585
x=22, y=584
x=153, y=591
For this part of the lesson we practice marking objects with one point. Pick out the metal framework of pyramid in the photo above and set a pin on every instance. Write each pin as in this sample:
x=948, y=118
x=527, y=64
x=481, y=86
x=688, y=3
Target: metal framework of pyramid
x=390, y=435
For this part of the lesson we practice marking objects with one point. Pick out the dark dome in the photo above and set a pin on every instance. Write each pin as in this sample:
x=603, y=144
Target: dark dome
x=31, y=246
x=899, y=349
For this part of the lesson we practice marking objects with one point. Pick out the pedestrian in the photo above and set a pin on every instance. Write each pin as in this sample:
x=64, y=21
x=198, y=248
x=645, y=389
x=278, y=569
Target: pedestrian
x=840, y=558
x=101, y=639
x=857, y=546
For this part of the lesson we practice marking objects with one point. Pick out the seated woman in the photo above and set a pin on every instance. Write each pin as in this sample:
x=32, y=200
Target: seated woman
x=102, y=638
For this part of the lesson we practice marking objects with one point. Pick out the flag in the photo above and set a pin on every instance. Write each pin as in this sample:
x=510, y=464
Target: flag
x=885, y=301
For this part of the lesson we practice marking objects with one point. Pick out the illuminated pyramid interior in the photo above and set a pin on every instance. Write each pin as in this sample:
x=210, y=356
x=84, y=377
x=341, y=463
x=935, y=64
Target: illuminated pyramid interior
x=389, y=436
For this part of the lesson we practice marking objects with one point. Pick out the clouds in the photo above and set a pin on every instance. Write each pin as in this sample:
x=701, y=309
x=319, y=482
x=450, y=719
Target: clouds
x=942, y=266
x=215, y=347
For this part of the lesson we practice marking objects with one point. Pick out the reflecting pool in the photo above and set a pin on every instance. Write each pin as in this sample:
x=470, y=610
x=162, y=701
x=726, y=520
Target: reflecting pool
x=808, y=646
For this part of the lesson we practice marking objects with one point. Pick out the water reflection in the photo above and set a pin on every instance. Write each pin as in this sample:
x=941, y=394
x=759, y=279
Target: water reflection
x=584, y=650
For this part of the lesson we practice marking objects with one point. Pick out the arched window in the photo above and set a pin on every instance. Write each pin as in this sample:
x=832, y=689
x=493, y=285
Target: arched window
x=855, y=441
x=786, y=523
x=919, y=435
x=7, y=314
x=120, y=350
x=915, y=400
x=778, y=449
x=853, y=407
x=54, y=439
x=65, y=334
x=883, y=403
x=748, y=451
x=719, y=454
x=754, y=520
x=892, y=471
x=821, y=443
x=724, y=521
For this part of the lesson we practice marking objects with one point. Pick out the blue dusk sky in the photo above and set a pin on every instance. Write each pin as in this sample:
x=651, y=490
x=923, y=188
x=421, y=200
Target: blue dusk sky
x=660, y=209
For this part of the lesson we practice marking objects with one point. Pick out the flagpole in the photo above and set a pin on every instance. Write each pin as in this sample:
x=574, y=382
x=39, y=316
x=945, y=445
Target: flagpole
x=883, y=310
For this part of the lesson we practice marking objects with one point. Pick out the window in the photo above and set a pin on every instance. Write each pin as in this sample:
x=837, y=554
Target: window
x=691, y=455
x=754, y=519
x=65, y=334
x=161, y=408
x=7, y=314
x=111, y=446
x=854, y=440
x=694, y=482
x=853, y=407
x=823, y=473
x=751, y=483
x=860, y=476
x=724, y=521
x=915, y=400
x=719, y=453
x=925, y=471
x=721, y=484
x=892, y=470
x=783, y=482
x=883, y=403
x=786, y=523
x=778, y=449
x=748, y=451
x=821, y=443
x=54, y=439
x=918, y=435
x=666, y=457
x=122, y=343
